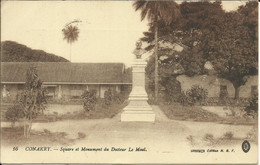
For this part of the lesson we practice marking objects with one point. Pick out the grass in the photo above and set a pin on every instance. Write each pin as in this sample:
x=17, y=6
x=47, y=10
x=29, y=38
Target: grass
x=14, y=136
x=196, y=113
x=191, y=113
x=100, y=112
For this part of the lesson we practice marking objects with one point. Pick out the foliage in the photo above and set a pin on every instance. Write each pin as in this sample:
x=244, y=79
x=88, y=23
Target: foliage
x=234, y=52
x=196, y=94
x=15, y=52
x=81, y=135
x=176, y=111
x=228, y=135
x=165, y=12
x=217, y=101
x=108, y=97
x=169, y=87
x=119, y=97
x=32, y=99
x=172, y=89
x=113, y=97
x=71, y=34
x=89, y=100
x=14, y=113
x=100, y=112
x=228, y=40
x=252, y=107
x=192, y=31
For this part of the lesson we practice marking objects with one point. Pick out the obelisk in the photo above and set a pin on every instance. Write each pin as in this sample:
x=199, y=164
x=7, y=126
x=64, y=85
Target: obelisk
x=138, y=109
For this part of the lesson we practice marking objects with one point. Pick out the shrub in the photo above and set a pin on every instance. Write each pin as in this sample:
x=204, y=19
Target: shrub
x=191, y=140
x=81, y=135
x=117, y=97
x=185, y=100
x=108, y=97
x=209, y=138
x=228, y=135
x=216, y=101
x=196, y=94
x=172, y=89
x=113, y=97
x=252, y=107
x=14, y=113
x=89, y=99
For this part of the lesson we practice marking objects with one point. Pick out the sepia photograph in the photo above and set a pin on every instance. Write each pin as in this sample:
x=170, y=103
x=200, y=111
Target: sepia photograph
x=129, y=82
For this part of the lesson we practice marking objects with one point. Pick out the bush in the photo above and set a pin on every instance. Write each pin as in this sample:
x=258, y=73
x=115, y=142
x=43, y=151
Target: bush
x=81, y=135
x=216, y=101
x=14, y=113
x=172, y=89
x=113, y=97
x=185, y=100
x=196, y=94
x=89, y=99
x=252, y=107
x=228, y=135
x=118, y=97
x=108, y=97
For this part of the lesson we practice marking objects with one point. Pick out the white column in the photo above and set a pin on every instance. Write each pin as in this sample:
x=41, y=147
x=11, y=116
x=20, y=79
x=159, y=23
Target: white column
x=117, y=88
x=4, y=91
x=59, y=92
x=138, y=109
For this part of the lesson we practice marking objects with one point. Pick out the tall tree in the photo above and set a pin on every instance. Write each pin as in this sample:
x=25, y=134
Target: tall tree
x=155, y=11
x=71, y=34
x=192, y=31
x=32, y=100
x=234, y=52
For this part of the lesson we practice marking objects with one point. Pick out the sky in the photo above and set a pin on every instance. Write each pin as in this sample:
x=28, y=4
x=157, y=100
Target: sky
x=108, y=29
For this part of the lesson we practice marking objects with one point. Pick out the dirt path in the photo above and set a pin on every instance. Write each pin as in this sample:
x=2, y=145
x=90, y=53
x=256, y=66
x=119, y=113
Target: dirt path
x=164, y=140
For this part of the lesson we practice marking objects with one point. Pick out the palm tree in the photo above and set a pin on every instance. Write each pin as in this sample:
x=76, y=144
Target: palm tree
x=71, y=34
x=155, y=11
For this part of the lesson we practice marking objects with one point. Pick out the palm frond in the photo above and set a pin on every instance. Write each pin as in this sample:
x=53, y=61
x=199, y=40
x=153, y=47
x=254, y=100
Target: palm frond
x=71, y=33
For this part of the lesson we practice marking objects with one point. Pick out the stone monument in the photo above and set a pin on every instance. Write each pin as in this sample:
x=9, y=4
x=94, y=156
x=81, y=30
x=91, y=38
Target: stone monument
x=138, y=109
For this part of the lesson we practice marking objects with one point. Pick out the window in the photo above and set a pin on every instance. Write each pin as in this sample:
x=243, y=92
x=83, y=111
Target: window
x=20, y=87
x=254, y=90
x=223, y=91
x=50, y=91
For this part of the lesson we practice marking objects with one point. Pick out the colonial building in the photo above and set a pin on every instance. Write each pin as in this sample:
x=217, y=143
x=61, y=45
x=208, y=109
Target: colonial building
x=216, y=87
x=66, y=80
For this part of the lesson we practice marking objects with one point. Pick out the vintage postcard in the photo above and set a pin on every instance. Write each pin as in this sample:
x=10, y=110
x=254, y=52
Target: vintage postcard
x=129, y=82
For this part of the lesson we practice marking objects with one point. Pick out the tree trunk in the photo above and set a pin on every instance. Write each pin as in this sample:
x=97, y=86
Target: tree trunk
x=24, y=127
x=236, y=92
x=70, y=52
x=156, y=78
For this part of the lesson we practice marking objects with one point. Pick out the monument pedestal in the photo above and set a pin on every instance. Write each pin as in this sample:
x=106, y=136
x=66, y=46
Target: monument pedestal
x=138, y=109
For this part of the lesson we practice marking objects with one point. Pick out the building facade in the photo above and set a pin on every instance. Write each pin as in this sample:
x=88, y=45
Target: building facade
x=66, y=80
x=216, y=87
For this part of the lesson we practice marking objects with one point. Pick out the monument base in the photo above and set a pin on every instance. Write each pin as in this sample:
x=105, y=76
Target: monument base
x=138, y=111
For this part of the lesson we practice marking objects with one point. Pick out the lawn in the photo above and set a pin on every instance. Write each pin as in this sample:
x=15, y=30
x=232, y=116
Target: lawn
x=196, y=113
x=190, y=113
x=59, y=112
x=100, y=112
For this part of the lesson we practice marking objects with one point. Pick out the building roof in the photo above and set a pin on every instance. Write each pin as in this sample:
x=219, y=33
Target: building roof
x=67, y=73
